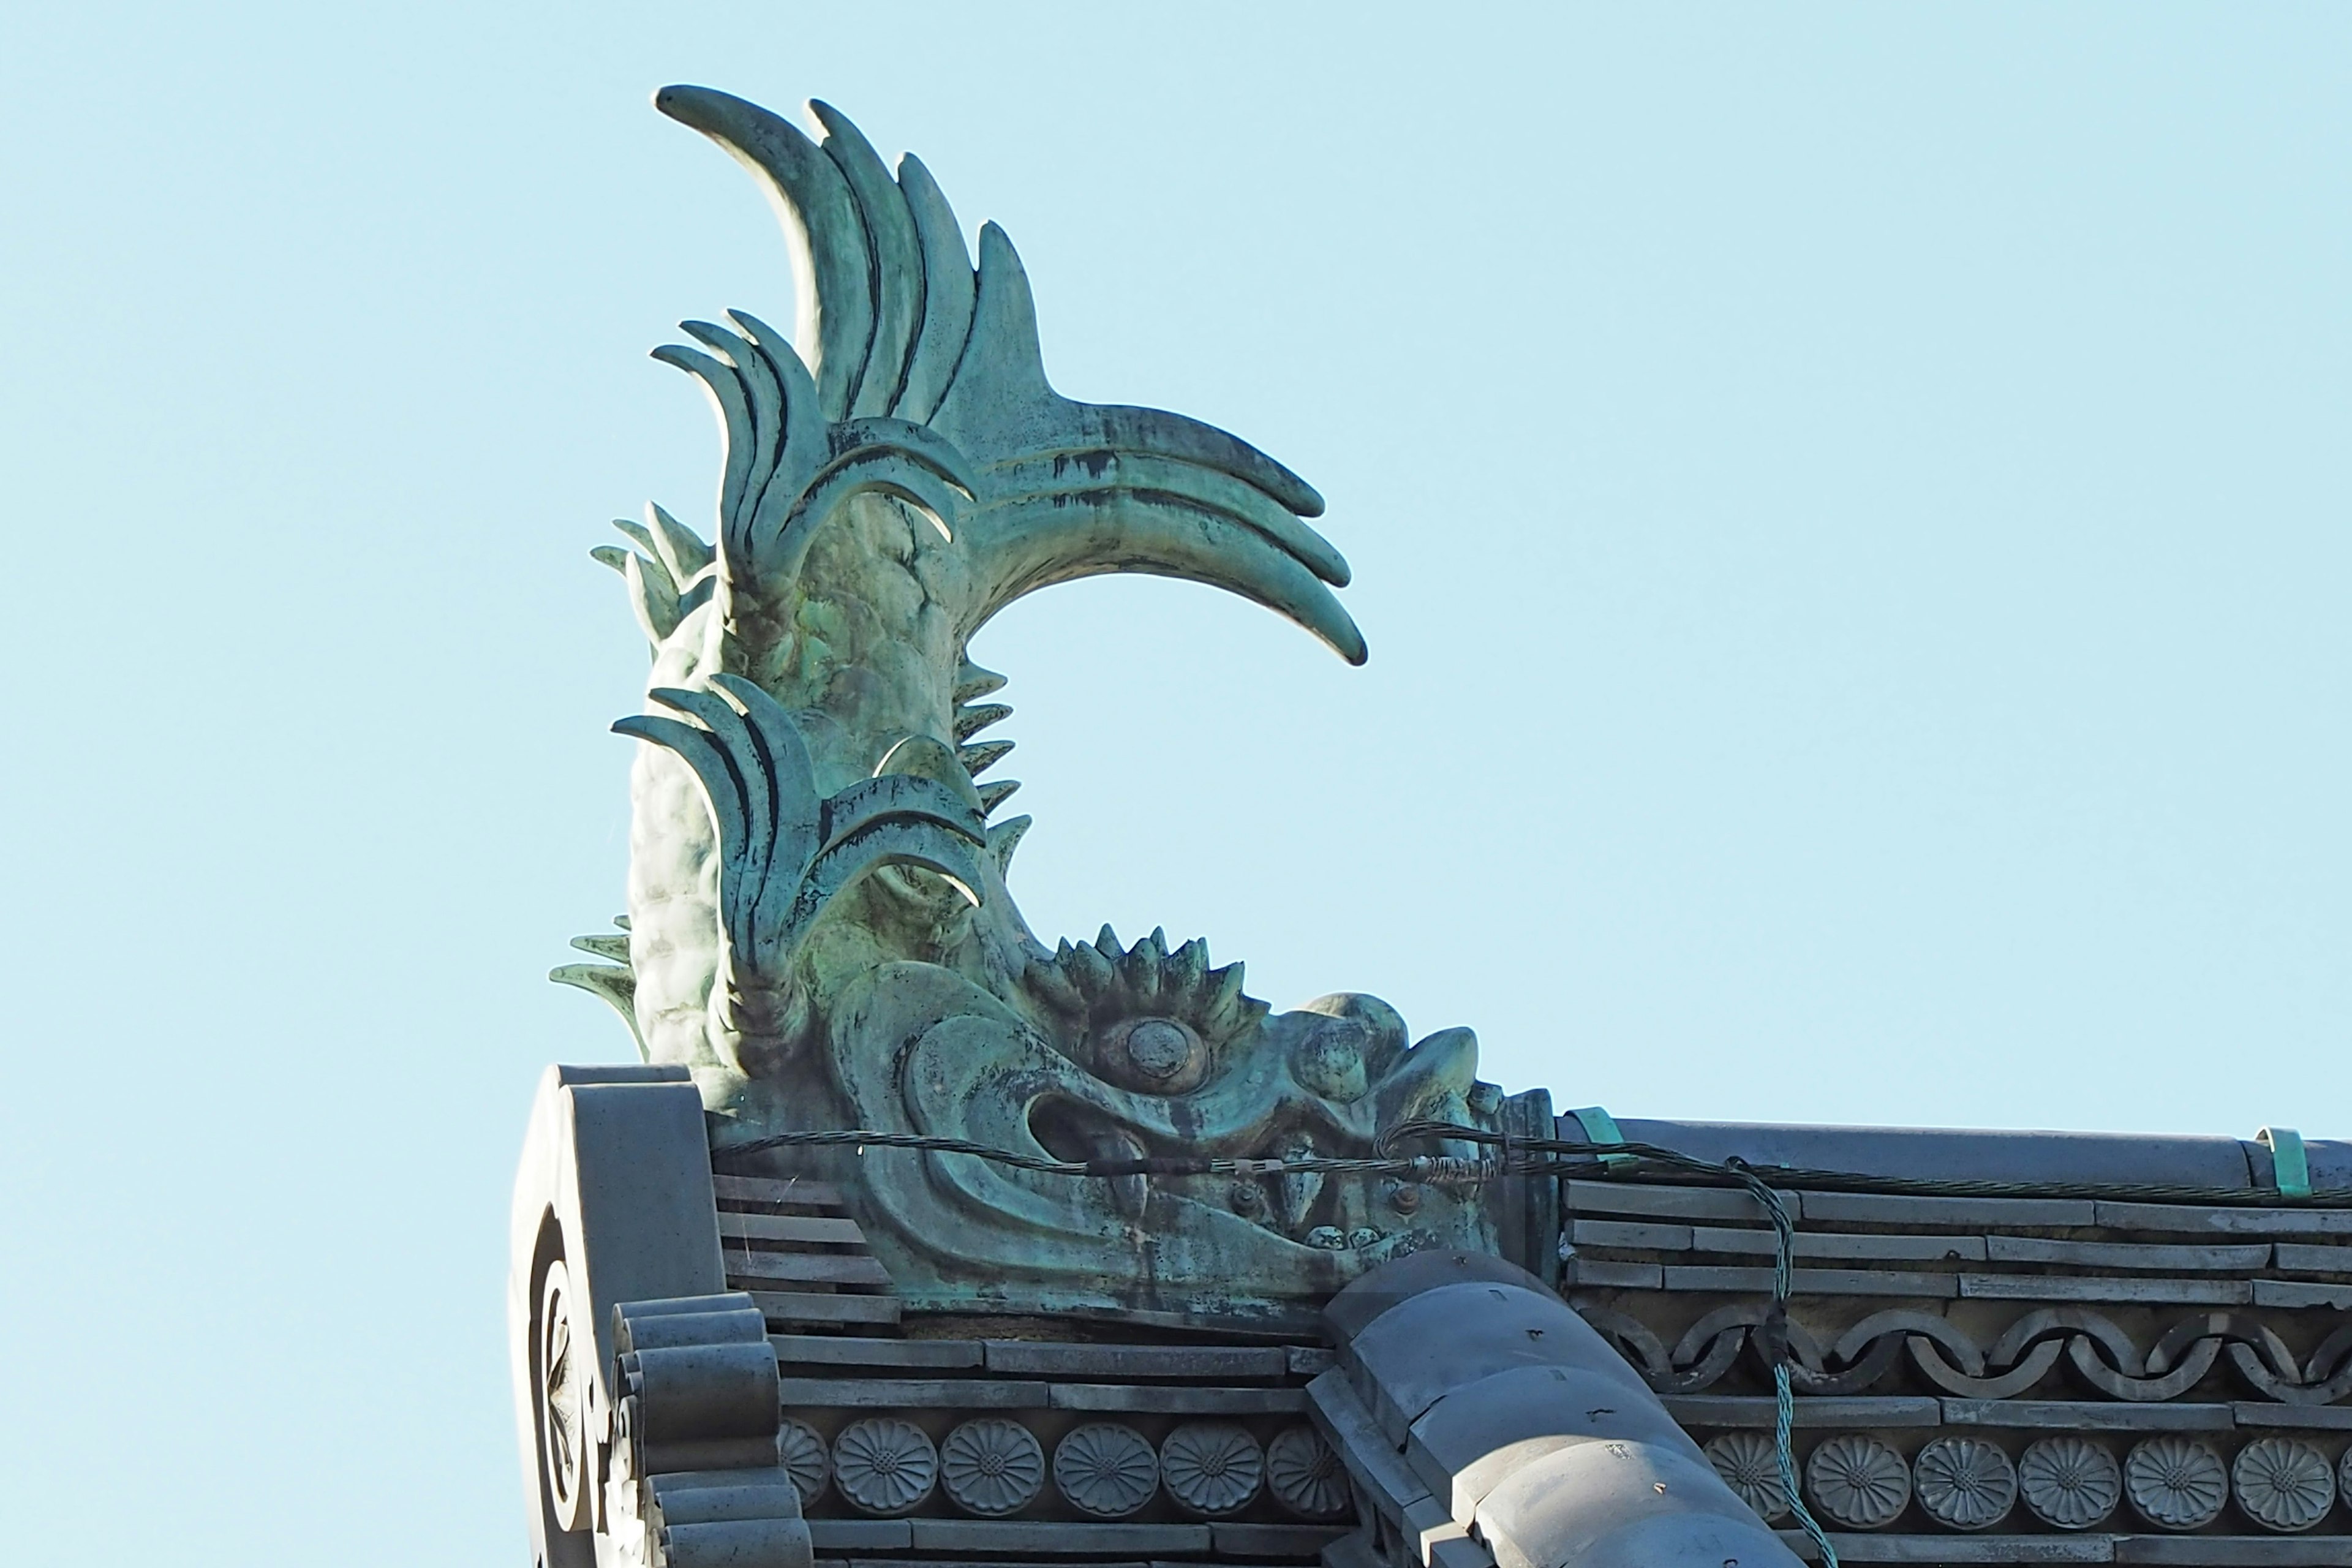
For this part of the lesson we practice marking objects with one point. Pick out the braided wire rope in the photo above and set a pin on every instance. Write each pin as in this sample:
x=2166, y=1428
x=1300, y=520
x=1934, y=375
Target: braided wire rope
x=1776, y=1349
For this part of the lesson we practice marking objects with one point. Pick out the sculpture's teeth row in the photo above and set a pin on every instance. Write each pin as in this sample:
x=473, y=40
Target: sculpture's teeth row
x=1103, y=980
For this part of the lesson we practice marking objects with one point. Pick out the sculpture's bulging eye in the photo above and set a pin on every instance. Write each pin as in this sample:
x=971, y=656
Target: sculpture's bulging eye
x=1159, y=1048
x=1156, y=1056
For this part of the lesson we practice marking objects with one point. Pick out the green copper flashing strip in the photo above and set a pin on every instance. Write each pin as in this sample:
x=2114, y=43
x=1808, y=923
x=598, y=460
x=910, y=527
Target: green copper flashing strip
x=2290, y=1169
x=1600, y=1127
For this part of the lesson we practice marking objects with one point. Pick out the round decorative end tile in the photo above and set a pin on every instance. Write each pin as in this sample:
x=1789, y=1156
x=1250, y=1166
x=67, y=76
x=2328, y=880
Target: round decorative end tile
x=1305, y=1476
x=884, y=1465
x=992, y=1467
x=1964, y=1483
x=1858, y=1481
x=1106, y=1470
x=2069, y=1482
x=1750, y=1466
x=799, y=1448
x=2282, y=1484
x=1212, y=1467
x=2175, y=1483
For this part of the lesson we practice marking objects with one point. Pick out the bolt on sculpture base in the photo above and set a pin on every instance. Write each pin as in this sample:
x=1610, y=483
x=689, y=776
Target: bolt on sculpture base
x=914, y=1239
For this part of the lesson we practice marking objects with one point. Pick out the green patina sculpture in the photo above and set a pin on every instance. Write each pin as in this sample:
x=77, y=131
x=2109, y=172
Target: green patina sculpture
x=819, y=924
x=820, y=935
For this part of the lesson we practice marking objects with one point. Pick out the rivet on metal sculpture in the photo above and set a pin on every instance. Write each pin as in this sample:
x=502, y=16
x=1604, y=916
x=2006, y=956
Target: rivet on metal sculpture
x=819, y=927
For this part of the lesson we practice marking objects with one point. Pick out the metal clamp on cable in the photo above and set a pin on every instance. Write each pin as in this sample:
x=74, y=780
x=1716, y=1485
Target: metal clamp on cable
x=2290, y=1168
x=1600, y=1127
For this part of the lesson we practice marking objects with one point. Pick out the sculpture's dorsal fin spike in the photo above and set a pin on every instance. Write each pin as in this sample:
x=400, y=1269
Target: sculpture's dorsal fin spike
x=948, y=286
x=801, y=441
x=752, y=457
x=683, y=554
x=639, y=534
x=999, y=393
x=975, y=681
x=895, y=256
x=832, y=265
x=652, y=596
x=676, y=544
x=739, y=483
x=617, y=986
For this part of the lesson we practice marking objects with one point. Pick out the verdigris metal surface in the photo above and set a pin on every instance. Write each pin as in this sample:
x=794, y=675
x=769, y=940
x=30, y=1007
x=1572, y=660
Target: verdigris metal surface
x=908, y=1352
x=819, y=929
x=1981, y=1156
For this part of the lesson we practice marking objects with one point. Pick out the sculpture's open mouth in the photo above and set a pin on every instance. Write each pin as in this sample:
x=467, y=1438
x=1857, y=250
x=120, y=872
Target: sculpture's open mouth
x=1071, y=1129
x=1289, y=1088
x=1306, y=1208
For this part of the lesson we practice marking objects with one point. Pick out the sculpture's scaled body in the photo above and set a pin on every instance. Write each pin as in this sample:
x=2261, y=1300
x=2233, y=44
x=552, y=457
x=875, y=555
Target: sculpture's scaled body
x=819, y=927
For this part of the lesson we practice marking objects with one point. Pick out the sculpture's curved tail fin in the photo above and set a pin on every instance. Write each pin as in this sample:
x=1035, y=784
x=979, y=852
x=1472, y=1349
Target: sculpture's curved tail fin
x=896, y=322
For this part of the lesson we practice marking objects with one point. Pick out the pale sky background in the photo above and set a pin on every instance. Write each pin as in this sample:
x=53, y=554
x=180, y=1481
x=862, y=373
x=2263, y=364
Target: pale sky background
x=1848, y=505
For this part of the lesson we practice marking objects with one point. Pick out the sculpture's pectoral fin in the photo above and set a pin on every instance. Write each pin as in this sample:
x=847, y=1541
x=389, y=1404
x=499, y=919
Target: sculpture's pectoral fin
x=924, y=842
x=894, y=819
x=755, y=771
x=776, y=440
x=783, y=853
x=900, y=798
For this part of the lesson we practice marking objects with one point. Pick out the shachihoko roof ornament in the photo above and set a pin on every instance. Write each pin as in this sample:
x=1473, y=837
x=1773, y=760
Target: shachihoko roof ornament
x=911, y=1239
x=819, y=925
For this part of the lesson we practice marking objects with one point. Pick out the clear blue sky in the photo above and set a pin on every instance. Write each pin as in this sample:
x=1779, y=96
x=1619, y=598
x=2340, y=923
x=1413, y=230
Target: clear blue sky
x=1848, y=504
